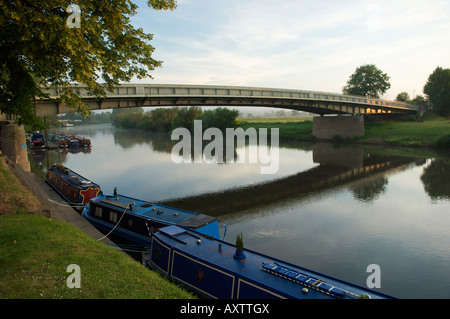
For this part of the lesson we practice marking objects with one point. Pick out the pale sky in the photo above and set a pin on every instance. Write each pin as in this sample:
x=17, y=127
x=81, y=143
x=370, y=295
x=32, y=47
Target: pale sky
x=294, y=44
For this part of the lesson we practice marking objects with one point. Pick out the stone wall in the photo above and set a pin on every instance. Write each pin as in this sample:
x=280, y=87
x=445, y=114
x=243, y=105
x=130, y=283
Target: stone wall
x=13, y=144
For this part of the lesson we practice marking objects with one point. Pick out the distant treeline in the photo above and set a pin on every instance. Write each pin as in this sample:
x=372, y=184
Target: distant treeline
x=168, y=119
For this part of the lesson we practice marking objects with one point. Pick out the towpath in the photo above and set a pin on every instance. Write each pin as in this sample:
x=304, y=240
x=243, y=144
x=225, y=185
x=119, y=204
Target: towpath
x=53, y=205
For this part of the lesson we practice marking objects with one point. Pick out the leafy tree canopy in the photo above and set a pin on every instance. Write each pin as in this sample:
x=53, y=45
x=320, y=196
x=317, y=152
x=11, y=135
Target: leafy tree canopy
x=437, y=89
x=39, y=47
x=368, y=81
x=403, y=97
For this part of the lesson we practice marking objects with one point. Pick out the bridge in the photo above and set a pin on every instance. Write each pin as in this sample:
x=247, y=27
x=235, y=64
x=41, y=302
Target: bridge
x=163, y=95
x=12, y=137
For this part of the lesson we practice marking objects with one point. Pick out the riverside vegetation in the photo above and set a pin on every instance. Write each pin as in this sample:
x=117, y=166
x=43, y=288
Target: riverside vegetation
x=432, y=130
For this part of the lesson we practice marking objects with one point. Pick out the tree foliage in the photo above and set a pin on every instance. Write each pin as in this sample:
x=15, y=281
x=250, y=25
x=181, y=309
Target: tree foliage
x=437, y=89
x=221, y=118
x=368, y=81
x=168, y=119
x=39, y=48
x=403, y=97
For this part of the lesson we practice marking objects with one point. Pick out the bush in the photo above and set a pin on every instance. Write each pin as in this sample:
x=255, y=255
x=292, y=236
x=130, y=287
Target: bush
x=168, y=119
x=221, y=118
x=185, y=117
x=443, y=142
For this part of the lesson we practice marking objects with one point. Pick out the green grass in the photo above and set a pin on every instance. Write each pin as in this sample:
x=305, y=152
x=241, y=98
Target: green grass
x=290, y=128
x=433, y=131
x=408, y=133
x=287, y=119
x=14, y=196
x=35, y=252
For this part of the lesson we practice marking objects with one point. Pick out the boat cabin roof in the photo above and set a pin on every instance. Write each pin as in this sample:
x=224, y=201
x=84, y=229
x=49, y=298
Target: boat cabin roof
x=72, y=177
x=156, y=211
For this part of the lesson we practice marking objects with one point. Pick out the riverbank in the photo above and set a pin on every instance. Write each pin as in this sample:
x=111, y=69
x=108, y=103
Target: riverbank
x=36, y=249
x=431, y=131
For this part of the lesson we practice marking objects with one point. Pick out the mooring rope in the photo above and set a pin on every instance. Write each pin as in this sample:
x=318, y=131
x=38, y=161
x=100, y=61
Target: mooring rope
x=123, y=214
x=65, y=203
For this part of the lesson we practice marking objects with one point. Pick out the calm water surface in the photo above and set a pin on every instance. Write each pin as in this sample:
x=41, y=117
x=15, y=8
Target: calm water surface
x=334, y=209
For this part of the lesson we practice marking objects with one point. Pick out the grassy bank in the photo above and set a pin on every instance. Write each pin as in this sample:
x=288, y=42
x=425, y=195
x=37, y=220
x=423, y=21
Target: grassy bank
x=14, y=197
x=291, y=128
x=35, y=252
x=432, y=131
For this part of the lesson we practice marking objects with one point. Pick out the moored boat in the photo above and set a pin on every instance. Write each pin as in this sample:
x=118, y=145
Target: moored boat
x=137, y=220
x=37, y=140
x=70, y=185
x=59, y=140
x=83, y=142
x=210, y=267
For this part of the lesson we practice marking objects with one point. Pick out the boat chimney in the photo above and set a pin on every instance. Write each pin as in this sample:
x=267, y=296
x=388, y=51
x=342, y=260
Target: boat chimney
x=115, y=191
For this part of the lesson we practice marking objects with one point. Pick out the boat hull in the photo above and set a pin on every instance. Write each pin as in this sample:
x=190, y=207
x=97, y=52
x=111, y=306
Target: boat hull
x=207, y=266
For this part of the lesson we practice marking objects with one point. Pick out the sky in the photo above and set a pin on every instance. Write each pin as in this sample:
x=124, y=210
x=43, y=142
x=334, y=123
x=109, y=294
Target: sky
x=297, y=44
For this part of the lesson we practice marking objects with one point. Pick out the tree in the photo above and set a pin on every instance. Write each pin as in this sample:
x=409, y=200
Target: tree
x=368, y=81
x=221, y=118
x=185, y=117
x=437, y=90
x=419, y=100
x=403, y=97
x=40, y=45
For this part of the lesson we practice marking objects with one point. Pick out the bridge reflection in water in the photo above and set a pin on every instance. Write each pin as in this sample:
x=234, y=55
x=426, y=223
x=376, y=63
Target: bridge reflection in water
x=337, y=166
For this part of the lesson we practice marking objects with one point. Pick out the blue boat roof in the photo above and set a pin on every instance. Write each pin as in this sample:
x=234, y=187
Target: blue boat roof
x=290, y=280
x=155, y=211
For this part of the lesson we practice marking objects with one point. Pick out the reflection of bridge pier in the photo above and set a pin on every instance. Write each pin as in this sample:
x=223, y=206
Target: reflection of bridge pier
x=338, y=167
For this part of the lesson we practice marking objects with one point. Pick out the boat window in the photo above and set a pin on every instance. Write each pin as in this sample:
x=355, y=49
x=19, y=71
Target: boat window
x=113, y=217
x=158, y=253
x=98, y=211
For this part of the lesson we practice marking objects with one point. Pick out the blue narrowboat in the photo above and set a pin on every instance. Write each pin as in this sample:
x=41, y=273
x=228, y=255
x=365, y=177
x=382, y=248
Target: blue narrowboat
x=137, y=220
x=210, y=267
x=37, y=140
x=71, y=186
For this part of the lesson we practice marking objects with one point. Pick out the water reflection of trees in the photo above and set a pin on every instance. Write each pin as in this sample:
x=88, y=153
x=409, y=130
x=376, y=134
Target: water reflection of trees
x=367, y=190
x=435, y=179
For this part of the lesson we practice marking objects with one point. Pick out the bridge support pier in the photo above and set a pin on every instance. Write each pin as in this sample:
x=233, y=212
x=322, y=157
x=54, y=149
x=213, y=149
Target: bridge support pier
x=13, y=144
x=329, y=127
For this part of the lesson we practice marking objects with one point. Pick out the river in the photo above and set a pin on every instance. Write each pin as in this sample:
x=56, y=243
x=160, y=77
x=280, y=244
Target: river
x=332, y=208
